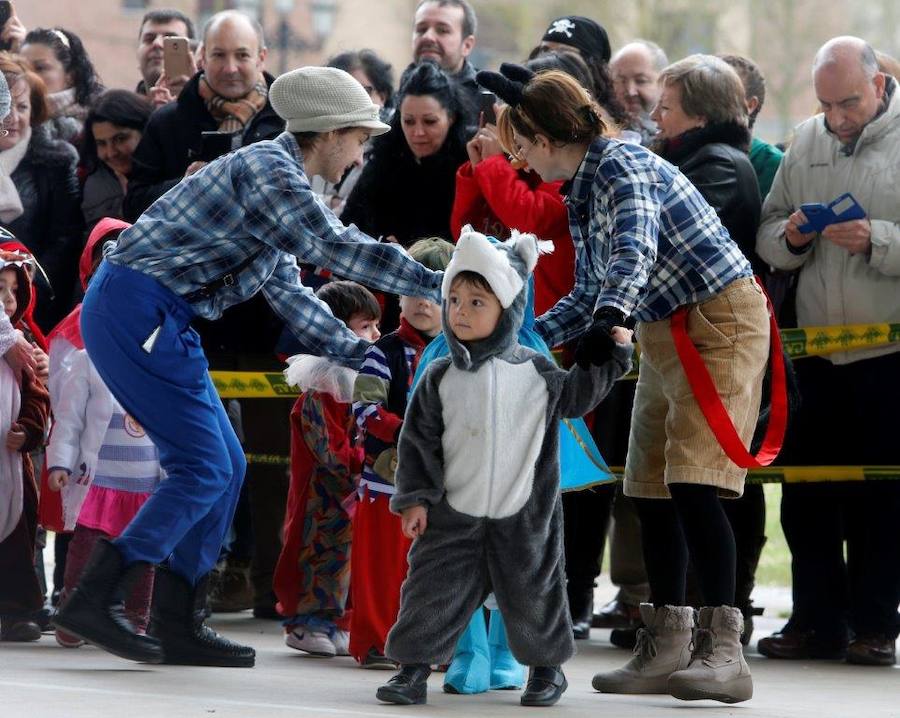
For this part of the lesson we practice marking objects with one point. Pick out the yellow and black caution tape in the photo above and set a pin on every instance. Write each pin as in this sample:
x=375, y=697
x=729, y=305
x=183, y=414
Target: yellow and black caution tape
x=799, y=343
x=810, y=474
x=768, y=475
x=252, y=385
x=820, y=341
x=268, y=459
x=796, y=474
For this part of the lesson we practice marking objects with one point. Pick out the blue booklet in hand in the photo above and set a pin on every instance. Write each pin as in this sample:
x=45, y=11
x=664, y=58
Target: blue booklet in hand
x=819, y=216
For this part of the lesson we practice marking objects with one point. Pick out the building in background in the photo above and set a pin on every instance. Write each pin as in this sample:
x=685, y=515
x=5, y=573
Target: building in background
x=780, y=35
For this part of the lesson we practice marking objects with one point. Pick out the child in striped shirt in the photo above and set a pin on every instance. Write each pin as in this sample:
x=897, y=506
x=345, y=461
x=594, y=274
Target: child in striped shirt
x=378, y=561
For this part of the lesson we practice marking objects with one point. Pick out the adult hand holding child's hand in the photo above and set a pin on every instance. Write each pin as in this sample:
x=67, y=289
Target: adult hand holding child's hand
x=596, y=345
x=413, y=521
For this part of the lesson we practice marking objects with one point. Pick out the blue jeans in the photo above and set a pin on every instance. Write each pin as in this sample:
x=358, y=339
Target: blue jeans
x=139, y=337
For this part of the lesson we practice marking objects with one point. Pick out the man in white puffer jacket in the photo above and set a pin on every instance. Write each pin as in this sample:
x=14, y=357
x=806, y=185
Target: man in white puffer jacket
x=849, y=274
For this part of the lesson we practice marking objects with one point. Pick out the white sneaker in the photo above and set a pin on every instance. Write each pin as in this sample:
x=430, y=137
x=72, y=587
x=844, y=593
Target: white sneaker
x=311, y=642
x=341, y=642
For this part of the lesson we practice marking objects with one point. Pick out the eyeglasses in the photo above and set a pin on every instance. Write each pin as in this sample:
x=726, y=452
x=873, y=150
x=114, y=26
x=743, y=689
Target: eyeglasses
x=520, y=152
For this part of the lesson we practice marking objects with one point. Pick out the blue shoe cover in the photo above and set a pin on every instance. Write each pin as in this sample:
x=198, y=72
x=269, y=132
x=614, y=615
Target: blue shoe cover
x=470, y=669
x=506, y=672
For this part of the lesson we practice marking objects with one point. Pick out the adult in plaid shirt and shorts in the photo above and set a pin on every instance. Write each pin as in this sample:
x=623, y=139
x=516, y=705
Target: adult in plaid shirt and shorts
x=649, y=248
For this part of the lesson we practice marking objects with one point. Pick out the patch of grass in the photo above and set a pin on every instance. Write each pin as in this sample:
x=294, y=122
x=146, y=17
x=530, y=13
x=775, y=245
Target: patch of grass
x=775, y=563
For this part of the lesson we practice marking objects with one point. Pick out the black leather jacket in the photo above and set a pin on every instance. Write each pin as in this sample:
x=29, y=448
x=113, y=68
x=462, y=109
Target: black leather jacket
x=714, y=158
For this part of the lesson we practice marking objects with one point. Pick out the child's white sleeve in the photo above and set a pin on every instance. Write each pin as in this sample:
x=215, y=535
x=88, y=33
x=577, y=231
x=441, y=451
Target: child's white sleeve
x=8, y=335
x=69, y=393
x=98, y=412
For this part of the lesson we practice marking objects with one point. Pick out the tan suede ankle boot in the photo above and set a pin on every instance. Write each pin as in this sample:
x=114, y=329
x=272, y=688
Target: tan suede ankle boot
x=663, y=647
x=718, y=670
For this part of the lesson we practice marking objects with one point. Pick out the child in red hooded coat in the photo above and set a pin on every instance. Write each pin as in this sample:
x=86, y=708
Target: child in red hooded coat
x=24, y=414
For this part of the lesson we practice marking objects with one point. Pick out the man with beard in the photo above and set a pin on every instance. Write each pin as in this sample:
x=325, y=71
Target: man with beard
x=635, y=69
x=156, y=25
x=444, y=32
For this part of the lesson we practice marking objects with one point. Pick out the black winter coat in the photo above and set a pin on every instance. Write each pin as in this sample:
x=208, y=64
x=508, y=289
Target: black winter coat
x=163, y=154
x=51, y=224
x=245, y=336
x=400, y=196
x=714, y=158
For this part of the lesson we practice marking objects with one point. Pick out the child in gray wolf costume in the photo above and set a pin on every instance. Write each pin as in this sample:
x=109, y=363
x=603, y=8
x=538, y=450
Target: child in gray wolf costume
x=478, y=476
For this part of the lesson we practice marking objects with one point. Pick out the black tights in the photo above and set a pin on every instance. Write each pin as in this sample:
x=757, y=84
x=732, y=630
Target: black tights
x=692, y=525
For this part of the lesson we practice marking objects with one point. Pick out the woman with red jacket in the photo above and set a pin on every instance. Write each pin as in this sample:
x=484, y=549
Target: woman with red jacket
x=494, y=197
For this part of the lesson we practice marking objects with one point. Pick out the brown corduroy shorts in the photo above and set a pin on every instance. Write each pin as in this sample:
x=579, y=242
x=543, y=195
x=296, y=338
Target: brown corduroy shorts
x=670, y=441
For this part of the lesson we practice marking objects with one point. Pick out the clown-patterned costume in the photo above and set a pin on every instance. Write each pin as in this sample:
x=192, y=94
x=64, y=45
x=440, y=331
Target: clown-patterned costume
x=480, y=449
x=312, y=577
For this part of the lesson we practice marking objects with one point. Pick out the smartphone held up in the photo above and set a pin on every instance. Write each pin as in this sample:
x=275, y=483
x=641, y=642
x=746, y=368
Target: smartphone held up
x=486, y=102
x=177, y=60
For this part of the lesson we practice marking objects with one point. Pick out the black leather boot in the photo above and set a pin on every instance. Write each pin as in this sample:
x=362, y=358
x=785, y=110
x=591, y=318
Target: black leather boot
x=408, y=687
x=545, y=686
x=95, y=610
x=581, y=608
x=177, y=618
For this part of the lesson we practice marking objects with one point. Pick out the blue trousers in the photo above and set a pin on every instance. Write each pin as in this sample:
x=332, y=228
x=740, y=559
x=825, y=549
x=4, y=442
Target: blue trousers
x=139, y=337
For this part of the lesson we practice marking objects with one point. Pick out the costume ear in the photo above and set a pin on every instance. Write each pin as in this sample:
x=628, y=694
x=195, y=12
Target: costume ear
x=516, y=73
x=508, y=91
x=528, y=247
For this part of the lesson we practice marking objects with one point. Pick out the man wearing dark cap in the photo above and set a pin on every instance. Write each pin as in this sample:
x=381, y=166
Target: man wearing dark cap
x=580, y=33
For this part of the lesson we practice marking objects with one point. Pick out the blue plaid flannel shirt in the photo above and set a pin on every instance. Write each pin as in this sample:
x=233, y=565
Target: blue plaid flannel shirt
x=258, y=200
x=646, y=242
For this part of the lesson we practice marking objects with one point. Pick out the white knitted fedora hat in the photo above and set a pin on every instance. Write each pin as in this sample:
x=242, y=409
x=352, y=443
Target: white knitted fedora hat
x=321, y=99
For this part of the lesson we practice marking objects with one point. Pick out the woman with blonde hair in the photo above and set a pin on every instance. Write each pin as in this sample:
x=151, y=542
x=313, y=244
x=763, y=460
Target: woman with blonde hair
x=650, y=249
x=39, y=194
x=704, y=130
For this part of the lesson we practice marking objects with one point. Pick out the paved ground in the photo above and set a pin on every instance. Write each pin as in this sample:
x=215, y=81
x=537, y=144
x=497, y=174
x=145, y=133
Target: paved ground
x=42, y=680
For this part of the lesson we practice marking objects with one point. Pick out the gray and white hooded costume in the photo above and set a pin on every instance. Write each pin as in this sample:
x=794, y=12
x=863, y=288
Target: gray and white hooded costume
x=480, y=449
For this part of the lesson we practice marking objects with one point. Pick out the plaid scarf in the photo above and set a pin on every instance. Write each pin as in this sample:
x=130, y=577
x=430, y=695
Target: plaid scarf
x=234, y=115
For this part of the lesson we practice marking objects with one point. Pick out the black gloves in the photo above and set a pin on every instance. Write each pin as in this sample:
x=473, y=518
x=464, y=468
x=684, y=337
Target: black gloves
x=596, y=345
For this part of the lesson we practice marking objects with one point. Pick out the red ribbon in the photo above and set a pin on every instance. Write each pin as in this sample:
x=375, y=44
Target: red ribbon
x=714, y=411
